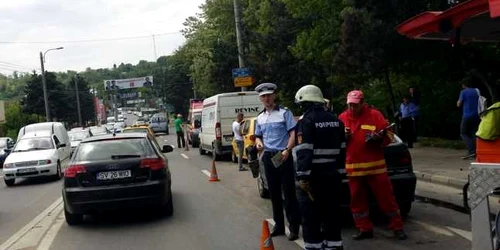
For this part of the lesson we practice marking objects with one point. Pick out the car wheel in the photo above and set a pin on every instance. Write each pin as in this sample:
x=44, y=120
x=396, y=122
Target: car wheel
x=405, y=208
x=73, y=219
x=58, y=175
x=202, y=151
x=263, y=192
x=10, y=182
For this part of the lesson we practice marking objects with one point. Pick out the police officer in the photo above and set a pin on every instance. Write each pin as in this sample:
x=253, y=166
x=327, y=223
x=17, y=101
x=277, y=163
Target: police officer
x=275, y=135
x=319, y=153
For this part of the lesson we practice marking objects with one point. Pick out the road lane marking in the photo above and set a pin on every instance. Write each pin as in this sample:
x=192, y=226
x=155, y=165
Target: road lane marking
x=185, y=156
x=31, y=225
x=298, y=241
x=52, y=233
x=432, y=228
x=466, y=234
x=206, y=172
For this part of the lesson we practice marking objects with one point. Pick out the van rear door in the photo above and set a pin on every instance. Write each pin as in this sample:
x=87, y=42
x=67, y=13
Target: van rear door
x=230, y=106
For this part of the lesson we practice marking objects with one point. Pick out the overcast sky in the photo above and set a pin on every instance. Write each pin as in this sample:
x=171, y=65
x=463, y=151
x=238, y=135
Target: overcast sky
x=25, y=23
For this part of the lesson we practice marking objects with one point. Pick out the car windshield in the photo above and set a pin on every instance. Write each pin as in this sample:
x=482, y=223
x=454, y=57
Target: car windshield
x=136, y=130
x=30, y=144
x=109, y=149
x=78, y=136
x=3, y=143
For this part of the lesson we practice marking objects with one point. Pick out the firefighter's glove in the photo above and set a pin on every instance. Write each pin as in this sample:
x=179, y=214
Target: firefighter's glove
x=304, y=185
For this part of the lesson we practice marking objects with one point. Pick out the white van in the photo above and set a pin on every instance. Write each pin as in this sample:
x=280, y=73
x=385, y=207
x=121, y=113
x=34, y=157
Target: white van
x=217, y=116
x=39, y=151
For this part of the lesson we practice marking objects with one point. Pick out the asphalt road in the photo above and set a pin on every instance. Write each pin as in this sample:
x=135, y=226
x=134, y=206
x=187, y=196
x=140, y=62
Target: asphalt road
x=221, y=215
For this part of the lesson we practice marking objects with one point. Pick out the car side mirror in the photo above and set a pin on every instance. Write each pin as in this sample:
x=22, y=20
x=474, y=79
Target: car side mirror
x=7, y=150
x=167, y=149
x=61, y=145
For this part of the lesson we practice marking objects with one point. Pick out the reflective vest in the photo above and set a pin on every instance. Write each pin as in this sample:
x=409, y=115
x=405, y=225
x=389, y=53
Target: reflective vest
x=365, y=158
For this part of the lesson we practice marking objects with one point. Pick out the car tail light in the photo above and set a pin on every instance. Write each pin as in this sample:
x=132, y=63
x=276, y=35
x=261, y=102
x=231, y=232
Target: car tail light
x=218, y=131
x=73, y=170
x=252, y=138
x=405, y=158
x=153, y=164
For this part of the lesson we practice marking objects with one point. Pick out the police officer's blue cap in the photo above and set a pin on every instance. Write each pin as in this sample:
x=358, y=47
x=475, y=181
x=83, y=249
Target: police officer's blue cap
x=266, y=88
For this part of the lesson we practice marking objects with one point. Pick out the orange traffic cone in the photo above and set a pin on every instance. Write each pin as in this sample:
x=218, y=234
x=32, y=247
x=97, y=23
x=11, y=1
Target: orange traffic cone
x=213, y=173
x=266, y=242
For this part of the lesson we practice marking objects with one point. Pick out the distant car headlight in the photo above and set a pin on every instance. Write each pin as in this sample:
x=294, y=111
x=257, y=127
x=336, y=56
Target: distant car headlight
x=8, y=165
x=44, y=162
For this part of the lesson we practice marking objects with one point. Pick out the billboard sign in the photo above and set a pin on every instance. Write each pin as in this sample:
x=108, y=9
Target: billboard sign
x=129, y=95
x=130, y=83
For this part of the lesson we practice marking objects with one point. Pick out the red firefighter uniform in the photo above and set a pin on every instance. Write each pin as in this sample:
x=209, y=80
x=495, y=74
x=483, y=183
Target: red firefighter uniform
x=365, y=166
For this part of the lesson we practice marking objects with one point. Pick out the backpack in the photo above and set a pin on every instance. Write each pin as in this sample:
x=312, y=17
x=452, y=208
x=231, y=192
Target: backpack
x=481, y=102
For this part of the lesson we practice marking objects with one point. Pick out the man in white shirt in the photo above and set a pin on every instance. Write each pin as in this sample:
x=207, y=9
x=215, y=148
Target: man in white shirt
x=239, y=139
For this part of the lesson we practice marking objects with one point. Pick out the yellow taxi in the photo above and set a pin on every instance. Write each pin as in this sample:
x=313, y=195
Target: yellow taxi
x=139, y=129
x=248, y=133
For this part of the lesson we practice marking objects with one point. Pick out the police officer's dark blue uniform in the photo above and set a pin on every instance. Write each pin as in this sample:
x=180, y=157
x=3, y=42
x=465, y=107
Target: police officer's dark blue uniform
x=275, y=133
x=319, y=154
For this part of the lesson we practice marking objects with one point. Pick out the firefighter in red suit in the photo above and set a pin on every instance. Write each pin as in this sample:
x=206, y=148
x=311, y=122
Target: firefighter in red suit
x=365, y=166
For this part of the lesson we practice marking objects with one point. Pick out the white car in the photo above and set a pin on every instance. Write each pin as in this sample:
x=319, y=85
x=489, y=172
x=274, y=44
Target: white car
x=34, y=156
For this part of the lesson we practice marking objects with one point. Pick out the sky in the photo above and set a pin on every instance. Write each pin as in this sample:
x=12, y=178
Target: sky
x=31, y=26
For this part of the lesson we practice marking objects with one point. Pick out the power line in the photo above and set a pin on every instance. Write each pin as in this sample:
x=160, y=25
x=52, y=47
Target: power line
x=3, y=64
x=89, y=40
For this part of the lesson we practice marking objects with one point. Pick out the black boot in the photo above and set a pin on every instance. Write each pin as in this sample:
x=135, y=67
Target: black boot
x=363, y=235
x=400, y=235
x=294, y=233
x=275, y=231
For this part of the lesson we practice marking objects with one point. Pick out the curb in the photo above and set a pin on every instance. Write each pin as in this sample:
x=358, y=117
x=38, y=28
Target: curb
x=439, y=179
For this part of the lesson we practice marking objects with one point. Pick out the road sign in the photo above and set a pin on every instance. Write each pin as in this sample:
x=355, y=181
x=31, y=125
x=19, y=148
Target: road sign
x=243, y=81
x=241, y=72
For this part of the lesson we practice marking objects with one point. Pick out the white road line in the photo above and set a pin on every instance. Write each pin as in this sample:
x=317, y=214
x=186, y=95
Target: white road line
x=23, y=231
x=185, y=156
x=466, y=234
x=206, y=172
x=298, y=241
x=433, y=228
x=52, y=233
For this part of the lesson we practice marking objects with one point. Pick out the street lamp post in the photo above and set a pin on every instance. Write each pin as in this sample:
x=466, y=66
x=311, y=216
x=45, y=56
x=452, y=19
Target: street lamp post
x=78, y=101
x=44, y=83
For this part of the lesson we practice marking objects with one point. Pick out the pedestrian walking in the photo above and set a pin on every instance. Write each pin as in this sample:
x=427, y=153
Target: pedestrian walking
x=468, y=101
x=319, y=154
x=179, y=130
x=409, y=112
x=275, y=135
x=415, y=98
x=366, y=167
x=239, y=140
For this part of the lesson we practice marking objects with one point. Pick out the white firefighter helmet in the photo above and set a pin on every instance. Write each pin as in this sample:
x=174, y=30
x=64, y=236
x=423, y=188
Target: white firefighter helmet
x=309, y=93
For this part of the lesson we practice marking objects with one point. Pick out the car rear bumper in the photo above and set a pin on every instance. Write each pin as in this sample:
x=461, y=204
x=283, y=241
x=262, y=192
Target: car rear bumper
x=82, y=200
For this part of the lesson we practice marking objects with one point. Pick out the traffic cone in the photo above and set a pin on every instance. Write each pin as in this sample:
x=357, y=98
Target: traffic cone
x=213, y=173
x=266, y=242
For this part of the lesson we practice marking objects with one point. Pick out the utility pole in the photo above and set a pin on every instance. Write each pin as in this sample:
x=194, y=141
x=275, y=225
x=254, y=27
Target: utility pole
x=44, y=86
x=237, y=19
x=78, y=101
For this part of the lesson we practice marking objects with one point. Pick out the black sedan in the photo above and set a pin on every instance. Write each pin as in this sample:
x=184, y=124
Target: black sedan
x=119, y=171
x=399, y=168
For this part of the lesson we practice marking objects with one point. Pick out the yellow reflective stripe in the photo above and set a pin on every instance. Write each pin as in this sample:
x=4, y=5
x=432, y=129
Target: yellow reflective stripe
x=368, y=127
x=365, y=164
x=363, y=173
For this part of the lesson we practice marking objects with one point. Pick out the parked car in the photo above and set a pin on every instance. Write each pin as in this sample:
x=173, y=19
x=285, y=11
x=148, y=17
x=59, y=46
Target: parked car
x=140, y=122
x=399, y=168
x=217, y=116
x=5, y=143
x=248, y=133
x=111, y=172
x=119, y=126
x=159, y=123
